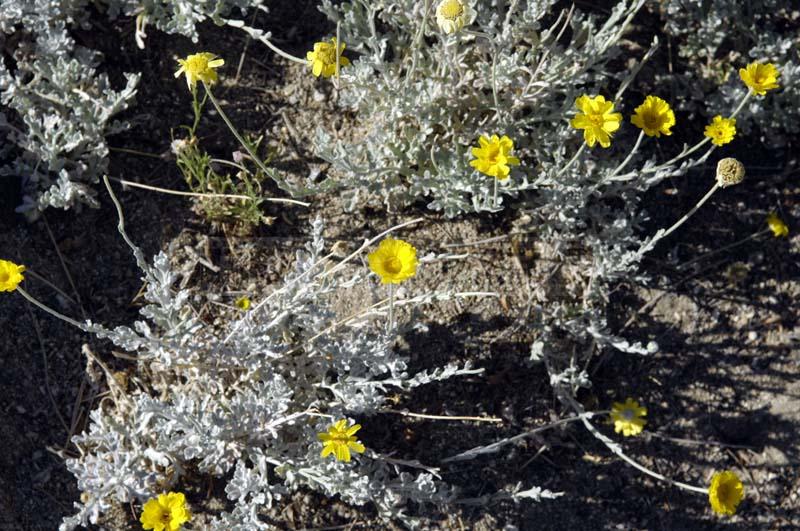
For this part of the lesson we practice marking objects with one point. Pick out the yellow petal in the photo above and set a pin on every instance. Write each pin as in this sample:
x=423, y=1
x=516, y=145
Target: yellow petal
x=357, y=447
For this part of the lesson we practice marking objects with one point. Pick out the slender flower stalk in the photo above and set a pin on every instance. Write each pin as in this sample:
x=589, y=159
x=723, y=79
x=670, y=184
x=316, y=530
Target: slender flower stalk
x=30, y=298
x=391, y=307
x=729, y=172
x=684, y=266
x=630, y=155
x=571, y=161
x=689, y=214
x=246, y=145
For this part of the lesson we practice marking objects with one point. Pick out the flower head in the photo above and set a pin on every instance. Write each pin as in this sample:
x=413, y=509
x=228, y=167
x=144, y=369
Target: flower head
x=628, y=417
x=729, y=172
x=725, y=492
x=654, y=117
x=597, y=119
x=322, y=59
x=453, y=15
x=492, y=157
x=760, y=77
x=339, y=440
x=10, y=275
x=721, y=130
x=243, y=303
x=165, y=513
x=777, y=226
x=394, y=261
x=199, y=66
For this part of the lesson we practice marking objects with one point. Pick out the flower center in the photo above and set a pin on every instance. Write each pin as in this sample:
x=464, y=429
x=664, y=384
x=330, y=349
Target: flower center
x=451, y=9
x=627, y=414
x=492, y=154
x=327, y=55
x=596, y=119
x=725, y=494
x=4, y=277
x=166, y=516
x=393, y=265
x=197, y=64
x=651, y=121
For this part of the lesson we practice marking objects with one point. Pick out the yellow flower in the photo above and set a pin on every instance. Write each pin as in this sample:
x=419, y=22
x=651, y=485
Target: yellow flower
x=596, y=119
x=453, y=15
x=721, y=130
x=165, y=513
x=323, y=59
x=492, y=157
x=394, y=261
x=339, y=440
x=628, y=417
x=654, y=117
x=777, y=226
x=10, y=275
x=760, y=77
x=725, y=492
x=243, y=303
x=199, y=66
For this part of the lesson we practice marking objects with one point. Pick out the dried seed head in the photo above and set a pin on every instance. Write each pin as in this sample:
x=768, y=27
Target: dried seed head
x=729, y=172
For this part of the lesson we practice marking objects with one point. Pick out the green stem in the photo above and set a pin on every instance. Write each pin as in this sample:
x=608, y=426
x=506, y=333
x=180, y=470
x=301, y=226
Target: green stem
x=246, y=145
x=197, y=107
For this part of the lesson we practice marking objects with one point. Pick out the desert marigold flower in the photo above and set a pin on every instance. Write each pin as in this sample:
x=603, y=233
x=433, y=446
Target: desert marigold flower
x=628, y=417
x=729, y=172
x=322, y=59
x=394, y=261
x=339, y=440
x=492, y=157
x=777, y=226
x=453, y=15
x=725, y=492
x=168, y=512
x=199, y=66
x=721, y=130
x=10, y=275
x=597, y=119
x=654, y=117
x=243, y=303
x=760, y=77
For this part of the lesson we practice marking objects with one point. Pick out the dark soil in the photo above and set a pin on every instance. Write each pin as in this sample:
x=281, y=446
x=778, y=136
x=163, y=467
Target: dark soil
x=722, y=392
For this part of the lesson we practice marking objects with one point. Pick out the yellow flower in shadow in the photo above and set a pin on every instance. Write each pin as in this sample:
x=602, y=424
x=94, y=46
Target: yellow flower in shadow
x=199, y=67
x=725, y=492
x=10, y=275
x=628, y=417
